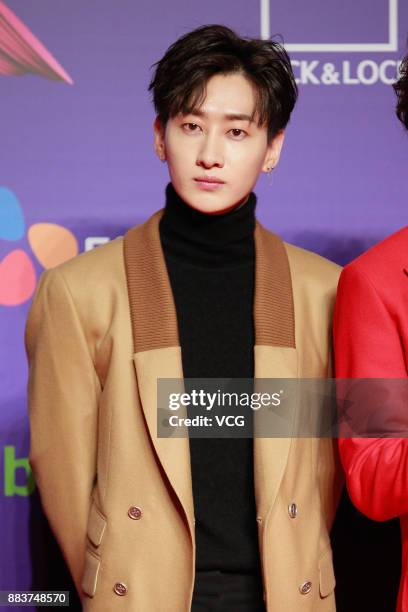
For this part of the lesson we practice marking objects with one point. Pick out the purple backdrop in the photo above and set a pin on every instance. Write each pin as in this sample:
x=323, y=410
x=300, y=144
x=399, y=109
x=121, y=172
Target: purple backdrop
x=81, y=156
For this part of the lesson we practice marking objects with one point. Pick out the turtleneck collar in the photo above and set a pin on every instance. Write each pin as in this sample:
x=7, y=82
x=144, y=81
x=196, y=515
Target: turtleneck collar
x=193, y=237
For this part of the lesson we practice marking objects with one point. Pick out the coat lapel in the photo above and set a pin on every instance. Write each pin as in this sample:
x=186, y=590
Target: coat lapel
x=274, y=354
x=157, y=352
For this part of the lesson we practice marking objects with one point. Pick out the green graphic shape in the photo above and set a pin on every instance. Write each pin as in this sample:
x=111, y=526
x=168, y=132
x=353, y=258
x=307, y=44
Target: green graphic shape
x=11, y=465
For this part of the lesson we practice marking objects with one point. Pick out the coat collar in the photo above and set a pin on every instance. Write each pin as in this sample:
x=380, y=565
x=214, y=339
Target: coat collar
x=157, y=352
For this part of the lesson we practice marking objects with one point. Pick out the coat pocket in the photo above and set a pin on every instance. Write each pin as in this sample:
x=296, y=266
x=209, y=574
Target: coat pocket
x=96, y=525
x=327, y=579
x=95, y=531
x=91, y=571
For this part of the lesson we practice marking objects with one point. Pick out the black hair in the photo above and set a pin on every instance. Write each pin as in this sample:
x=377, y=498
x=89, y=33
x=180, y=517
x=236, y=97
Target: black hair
x=401, y=89
x=180, y=78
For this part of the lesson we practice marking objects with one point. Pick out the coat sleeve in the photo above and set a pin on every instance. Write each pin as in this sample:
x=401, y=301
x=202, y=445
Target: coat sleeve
x=368, y=345
x=63, y=391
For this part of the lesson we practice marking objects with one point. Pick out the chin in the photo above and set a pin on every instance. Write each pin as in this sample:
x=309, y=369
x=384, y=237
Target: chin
x=210, y=206
x=212, y=209
x=222, y=210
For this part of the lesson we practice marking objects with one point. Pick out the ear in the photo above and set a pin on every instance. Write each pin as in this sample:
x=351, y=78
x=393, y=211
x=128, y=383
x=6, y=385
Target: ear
x=273, y=151
x=159, y=144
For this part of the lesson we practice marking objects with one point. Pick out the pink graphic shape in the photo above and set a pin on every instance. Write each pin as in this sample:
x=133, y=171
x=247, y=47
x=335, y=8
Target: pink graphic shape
x=17, y=278
x=21, y=52
x=52, y=244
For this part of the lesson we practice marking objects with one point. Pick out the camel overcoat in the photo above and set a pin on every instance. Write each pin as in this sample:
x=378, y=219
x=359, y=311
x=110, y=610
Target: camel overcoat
x=101, y=330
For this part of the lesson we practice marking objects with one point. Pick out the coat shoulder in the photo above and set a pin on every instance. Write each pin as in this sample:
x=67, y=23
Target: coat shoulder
x=383, y=265
x=383, y=260
x=94, y=282
x=312, y=268
x=99, y=261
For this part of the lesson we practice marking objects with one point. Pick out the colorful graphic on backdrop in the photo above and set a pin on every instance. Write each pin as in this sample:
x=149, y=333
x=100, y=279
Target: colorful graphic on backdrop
x=21, y=52
x=51, y=244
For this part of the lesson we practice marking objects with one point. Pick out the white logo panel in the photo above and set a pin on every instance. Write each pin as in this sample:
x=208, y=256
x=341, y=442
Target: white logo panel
x=390, y=46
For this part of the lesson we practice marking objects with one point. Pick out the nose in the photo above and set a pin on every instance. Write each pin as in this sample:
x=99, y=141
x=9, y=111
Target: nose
x=210, y=153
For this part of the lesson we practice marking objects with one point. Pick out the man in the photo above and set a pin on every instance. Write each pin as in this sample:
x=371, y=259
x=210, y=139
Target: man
x=371, y=341
x=200, y=289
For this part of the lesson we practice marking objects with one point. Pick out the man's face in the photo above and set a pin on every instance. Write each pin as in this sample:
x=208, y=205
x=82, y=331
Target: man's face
x=217, y=142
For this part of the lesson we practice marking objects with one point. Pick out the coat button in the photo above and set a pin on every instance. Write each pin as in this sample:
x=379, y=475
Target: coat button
x=135, y=512
x=120, y=588
x=292, y=509
x=305, y=588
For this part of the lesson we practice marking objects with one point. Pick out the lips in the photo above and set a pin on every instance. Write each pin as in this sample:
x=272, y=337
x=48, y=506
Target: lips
x=209, y=183
x=209, y=179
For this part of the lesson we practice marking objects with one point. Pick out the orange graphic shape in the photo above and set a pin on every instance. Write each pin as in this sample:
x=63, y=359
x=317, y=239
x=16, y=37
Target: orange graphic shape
x=52, y=244
x=17, y=278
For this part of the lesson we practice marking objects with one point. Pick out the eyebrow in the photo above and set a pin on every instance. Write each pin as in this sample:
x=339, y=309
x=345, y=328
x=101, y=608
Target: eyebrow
x=228, y=116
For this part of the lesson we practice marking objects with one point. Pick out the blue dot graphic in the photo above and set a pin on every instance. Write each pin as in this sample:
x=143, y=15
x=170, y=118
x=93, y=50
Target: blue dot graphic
x=12, y=225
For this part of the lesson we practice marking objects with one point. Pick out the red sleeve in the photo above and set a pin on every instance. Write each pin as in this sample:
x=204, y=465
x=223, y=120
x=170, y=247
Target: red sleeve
x=368, y=345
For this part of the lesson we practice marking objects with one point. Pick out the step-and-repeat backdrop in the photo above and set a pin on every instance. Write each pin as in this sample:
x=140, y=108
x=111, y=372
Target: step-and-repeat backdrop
x=77, y=168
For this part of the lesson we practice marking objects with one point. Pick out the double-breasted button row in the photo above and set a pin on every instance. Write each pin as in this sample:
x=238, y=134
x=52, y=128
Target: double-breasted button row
x=120, y=588
x=293, y=510
x=135, y=513
x=305, y=587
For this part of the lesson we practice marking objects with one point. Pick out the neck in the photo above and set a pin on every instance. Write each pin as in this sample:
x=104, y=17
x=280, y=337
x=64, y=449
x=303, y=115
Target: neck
x=195, y=237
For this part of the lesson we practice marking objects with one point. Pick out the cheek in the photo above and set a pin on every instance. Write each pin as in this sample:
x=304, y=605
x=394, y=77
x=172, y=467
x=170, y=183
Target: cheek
x=177, y=153
x=251, y=154
x=248, y=162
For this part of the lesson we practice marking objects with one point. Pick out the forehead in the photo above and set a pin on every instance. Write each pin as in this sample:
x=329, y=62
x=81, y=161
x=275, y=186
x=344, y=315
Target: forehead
x=228, y=94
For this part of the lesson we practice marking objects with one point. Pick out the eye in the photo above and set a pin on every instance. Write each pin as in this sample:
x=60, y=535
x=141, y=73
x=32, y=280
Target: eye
x=238, y=134
x=191, y=127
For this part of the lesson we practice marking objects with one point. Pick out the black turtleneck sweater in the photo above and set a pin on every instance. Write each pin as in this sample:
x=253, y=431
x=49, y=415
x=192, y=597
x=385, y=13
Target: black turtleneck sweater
x=210, y=261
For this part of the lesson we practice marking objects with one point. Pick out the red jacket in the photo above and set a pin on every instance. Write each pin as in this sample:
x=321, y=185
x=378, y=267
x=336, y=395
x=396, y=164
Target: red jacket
x=371, y=341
